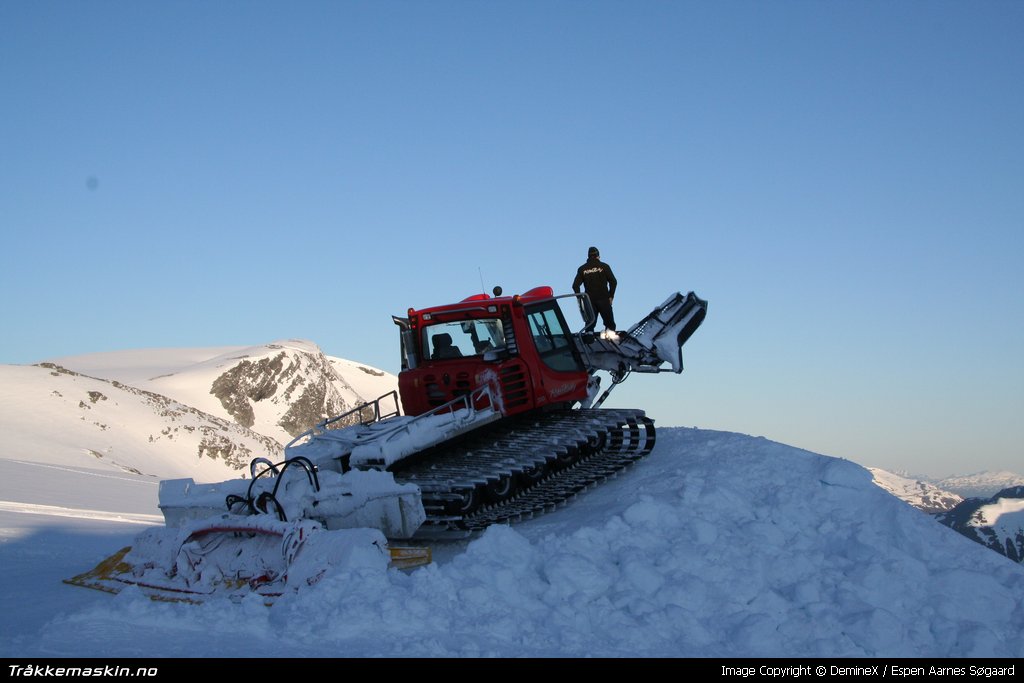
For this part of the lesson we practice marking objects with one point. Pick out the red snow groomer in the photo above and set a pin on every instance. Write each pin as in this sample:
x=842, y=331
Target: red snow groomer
x=502, y=420
x=502, y=414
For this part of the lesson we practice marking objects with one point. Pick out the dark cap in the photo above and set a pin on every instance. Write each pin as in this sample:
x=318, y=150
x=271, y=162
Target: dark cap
x=593, y=252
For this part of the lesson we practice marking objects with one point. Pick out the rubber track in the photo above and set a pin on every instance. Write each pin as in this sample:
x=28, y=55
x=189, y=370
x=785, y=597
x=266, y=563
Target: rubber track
x=599, y=444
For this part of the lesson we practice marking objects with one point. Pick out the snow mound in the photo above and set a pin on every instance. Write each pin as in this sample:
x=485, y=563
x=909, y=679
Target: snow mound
x=716, y=545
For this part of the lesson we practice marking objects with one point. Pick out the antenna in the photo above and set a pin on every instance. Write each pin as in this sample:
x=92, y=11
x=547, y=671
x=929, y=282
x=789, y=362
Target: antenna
x=481, y=272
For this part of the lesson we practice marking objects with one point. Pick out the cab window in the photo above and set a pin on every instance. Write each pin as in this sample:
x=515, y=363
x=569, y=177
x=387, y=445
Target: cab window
x=552, y=339
x=462, y=338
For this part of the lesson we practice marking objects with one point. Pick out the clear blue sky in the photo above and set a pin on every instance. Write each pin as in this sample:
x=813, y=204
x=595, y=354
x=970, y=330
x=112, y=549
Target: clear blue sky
x=843, y=181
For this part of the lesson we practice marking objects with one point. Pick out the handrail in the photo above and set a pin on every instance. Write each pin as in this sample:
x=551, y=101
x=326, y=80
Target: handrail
x=321, y=427
x=468, y=402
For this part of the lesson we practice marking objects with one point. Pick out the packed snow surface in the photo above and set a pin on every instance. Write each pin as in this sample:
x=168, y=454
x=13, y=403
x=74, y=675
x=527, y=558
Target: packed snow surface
x=717, y=544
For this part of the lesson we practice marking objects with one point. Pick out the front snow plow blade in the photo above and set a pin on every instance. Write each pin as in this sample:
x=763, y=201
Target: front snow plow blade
x=102, y=576
x=237, y=556
x=665, y=329
x=657, y=339
x=410, y=557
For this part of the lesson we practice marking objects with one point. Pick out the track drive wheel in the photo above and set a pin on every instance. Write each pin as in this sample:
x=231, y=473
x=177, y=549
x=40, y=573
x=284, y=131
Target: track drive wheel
x=500, y=489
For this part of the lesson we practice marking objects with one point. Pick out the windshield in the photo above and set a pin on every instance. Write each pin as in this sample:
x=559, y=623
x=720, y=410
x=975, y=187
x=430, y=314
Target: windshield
x=463, y=338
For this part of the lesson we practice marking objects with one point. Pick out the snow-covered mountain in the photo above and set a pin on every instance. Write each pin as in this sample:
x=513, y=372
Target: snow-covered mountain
x=920, y=494
x=167, y=413
x=278, y=390
x=50, y=414
x=996, y=522
x=980, y=484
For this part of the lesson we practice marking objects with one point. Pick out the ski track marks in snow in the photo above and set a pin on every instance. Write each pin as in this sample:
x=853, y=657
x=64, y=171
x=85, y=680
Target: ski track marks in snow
x=77, y=513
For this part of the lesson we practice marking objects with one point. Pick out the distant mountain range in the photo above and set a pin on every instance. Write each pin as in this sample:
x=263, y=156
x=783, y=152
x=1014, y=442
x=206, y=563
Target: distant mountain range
x=278, y=390
x=996, y=522
x=920, y=494
x=981, y=484
x=201, y=413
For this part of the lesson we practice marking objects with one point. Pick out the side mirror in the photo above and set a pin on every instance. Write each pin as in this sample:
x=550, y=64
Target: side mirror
x=586, y=309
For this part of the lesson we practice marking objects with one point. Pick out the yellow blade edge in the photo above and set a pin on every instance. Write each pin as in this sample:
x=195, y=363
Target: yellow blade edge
x=113, y=573
x=104, y=571
x=407, y=558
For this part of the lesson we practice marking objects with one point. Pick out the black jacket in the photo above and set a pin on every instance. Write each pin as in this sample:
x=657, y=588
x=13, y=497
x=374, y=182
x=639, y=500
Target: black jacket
x=597, y=278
